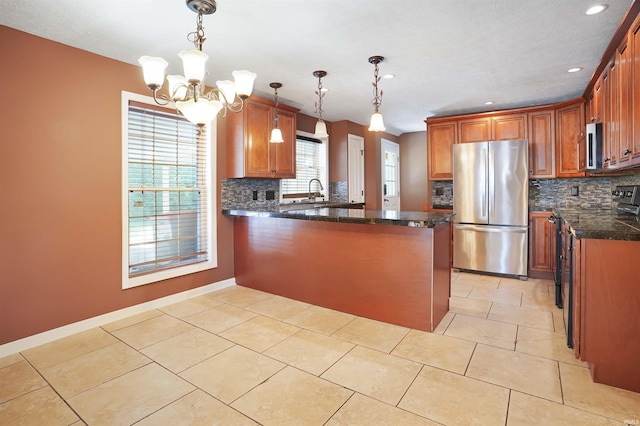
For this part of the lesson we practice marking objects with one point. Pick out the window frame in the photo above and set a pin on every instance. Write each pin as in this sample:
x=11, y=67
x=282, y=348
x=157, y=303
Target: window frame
x=325, y=180
x=210, y=217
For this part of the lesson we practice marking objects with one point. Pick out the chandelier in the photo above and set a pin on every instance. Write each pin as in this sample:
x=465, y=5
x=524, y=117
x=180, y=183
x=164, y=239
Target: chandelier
x=376, y=125
x=321, y=126
x=188, y=90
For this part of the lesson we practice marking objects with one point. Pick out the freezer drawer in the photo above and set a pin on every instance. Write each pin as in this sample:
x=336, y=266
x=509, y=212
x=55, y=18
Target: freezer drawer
x=495, y=249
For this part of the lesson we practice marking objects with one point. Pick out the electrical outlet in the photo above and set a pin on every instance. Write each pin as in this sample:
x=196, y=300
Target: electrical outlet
x=575, y=191
x=270, y=195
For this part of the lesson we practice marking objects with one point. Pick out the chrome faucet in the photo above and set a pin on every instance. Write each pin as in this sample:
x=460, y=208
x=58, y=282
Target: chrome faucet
x=319, y=183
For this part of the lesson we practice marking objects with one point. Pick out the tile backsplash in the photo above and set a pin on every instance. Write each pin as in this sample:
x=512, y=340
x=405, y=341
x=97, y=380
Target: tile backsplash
x=238, y=193
x=592, y=192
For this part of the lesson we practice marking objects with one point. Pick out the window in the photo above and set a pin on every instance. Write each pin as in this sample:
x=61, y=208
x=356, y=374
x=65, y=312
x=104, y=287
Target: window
x=167, y=194
x=311, y=163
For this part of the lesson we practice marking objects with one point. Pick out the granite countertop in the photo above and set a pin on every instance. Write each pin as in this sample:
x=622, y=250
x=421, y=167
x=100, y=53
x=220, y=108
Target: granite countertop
x=344, y=215
x=599, y=224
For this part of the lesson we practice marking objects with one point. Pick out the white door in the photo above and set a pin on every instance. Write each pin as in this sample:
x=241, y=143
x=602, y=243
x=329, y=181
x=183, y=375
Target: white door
x=355, y=165
x=390, y=175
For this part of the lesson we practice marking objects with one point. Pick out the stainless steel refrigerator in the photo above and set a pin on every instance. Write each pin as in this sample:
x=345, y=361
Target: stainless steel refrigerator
x=490, y=199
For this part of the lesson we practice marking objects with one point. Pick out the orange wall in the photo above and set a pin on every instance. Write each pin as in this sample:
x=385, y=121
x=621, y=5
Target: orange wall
x=60, y=218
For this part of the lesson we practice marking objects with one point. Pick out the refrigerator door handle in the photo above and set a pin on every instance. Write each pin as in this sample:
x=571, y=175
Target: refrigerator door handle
x=485, y=228
x=492, y=182
x=484, y=183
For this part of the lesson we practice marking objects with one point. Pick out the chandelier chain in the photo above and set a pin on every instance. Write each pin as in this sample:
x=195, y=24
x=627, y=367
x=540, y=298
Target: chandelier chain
x=377, y=99
x=197, y=37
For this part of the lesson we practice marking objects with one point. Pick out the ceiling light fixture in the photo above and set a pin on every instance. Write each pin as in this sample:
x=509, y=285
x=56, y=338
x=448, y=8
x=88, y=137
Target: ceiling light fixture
x=321, y=126
x=576, y=69
x=377, y=124
x=188, y=91
x=596, y=9
x=489, y=103
x=276, y=134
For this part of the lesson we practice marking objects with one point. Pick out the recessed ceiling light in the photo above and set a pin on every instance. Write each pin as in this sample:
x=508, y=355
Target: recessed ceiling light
x=388, y=76
x=324, y=89
x=596, y=9
x=489, y=103
x=576, y=69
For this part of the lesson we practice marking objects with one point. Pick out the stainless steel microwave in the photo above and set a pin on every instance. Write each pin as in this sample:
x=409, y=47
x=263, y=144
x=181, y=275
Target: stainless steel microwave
x=594, y=146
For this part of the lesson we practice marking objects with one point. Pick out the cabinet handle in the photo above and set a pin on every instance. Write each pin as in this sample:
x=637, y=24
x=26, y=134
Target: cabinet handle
x=593, y=119
x=606, y=160
x=626, y=152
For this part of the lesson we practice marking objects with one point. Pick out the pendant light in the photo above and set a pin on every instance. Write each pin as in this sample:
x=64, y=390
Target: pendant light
x=376, y=125
x=276, y=134
x=321, y=126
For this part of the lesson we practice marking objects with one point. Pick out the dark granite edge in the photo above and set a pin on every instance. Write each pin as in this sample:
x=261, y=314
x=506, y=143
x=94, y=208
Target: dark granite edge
x=429, y=220
x=626, y=231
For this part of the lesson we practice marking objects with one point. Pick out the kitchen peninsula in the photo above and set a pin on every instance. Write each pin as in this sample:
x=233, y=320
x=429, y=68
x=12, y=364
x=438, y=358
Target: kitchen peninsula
x=383, y=265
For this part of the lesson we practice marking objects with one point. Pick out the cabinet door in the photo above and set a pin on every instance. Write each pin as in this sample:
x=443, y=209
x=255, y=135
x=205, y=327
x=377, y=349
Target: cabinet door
x=474, y=130
x=541, y=147
x=595, y=103
x=634, y=45
x=257, y=128
x=509, y=127
x=623, y=60
x=283, y=155
x=440, y=140
x=570, y=141
x=541, y=246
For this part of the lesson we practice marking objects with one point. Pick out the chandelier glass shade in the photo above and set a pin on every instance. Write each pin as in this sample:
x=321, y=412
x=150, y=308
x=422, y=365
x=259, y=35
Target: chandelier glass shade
x=276, y=133
x=376, y=124
x=321, y=126
x=188, y=90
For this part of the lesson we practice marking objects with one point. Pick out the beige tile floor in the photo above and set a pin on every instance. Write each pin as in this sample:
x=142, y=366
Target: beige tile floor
x=242, y=357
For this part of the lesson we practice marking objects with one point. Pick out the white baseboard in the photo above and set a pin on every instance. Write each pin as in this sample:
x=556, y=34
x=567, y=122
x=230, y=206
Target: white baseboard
x=76, y=327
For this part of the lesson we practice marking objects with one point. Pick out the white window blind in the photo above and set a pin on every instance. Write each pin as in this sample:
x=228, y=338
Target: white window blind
x=311, y=163
x=167, y=190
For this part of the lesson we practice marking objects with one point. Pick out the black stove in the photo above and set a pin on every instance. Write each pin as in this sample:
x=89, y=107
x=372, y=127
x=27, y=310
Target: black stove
x=628, y=199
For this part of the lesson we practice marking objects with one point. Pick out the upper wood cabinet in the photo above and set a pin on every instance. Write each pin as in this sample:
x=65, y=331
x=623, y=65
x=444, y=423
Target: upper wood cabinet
x=541, y=144
x=249, y=152
x=475, y=129
x=570, y=141
x=634, y=45
x=494, y=128
x=440, y=140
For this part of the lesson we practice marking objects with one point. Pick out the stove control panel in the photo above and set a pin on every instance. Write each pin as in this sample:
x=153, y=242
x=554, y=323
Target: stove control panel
x=628, y=198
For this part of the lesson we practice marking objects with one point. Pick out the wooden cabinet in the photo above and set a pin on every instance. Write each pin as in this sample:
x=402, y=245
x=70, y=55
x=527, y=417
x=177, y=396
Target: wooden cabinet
x=570, y=141
x=634, y=53
x=541, y=136
x=495, y=128
x=623, y=65
x=509, y=127
x=440, y=140
x=542, y=246
x=595, y=103
x=475, y=129
x=249, y=152
x=606, y=304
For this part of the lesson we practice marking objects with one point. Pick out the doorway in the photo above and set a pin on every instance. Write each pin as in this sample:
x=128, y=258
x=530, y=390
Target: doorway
x=390, y=175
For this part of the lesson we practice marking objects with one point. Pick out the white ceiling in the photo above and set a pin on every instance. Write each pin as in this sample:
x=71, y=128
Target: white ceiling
x=449, y=56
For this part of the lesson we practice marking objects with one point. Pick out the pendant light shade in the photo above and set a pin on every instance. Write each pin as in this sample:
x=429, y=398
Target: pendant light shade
x=376, y=124
x=321, y=130
x=193, y=62
x=244, y=83
x=153, y=70
x=276, y=134
x=201, y=112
